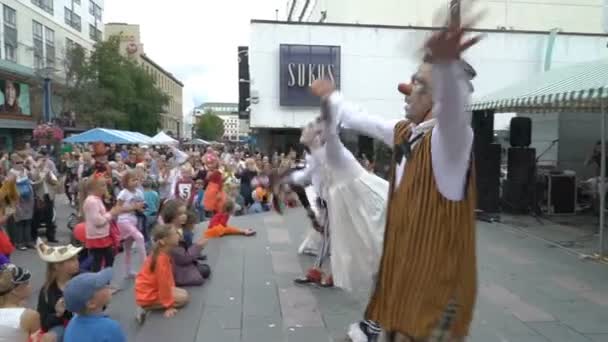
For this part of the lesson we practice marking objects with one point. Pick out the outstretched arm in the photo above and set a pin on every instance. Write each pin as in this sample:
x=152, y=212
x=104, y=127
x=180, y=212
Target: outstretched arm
x=452, y=137
x=355, y=118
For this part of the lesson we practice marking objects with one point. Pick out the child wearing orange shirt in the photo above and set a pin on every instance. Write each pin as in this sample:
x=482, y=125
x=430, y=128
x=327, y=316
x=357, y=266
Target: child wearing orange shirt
x=154, y=285
x=218, y=226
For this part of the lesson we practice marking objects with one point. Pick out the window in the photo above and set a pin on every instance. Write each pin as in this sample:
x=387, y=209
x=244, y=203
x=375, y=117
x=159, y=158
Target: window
x=77, y=2
x=38, y=45
x=94, y=33
x=46, y=5
x=94, y=10
x=49, y=40
x=10, y=33
x=72, y=19
x=71, y=45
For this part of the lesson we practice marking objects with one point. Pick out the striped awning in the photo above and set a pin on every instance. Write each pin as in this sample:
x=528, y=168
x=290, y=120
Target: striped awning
x=579, y=88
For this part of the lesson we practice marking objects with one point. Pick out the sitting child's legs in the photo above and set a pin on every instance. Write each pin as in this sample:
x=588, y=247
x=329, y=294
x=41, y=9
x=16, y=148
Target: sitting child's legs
x=180, y=296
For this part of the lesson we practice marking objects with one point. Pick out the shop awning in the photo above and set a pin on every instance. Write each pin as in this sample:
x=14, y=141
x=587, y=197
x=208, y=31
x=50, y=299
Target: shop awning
x=577, y=88
x=109, y=136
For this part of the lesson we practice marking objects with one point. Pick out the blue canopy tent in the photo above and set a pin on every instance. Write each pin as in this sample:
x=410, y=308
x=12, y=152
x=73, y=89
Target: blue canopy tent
x=108, y=136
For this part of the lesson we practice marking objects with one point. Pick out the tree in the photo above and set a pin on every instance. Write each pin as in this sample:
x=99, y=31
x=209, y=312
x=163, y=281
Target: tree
x=210, y=127
x=107, y=89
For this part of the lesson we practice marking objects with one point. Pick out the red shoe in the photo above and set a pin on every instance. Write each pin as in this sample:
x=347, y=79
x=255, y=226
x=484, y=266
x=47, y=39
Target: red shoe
x=313, y=276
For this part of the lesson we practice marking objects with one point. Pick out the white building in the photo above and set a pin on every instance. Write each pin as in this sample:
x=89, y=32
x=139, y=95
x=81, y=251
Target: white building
x=369, y=61
x=235, y=129
x=35, y=36
x=568, y=15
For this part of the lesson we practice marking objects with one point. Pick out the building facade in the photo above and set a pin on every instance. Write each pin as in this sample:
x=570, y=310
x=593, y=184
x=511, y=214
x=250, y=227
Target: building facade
x=235, y=129
x=35, y=37
x=368, y=61
x=539, y=15
x=172, y=119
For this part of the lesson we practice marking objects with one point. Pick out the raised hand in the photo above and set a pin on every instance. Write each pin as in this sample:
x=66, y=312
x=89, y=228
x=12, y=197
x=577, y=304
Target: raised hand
x=448, y=44
x=322, y=88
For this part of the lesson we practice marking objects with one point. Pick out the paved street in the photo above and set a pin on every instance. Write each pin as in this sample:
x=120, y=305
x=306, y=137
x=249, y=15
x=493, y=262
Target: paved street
x=529, y=291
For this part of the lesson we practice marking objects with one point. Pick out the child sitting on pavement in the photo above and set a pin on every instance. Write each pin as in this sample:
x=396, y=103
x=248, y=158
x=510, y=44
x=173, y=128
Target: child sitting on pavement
x=62, y=265
x=186, y=269
x=87, y=295
x=154, y=285
x=218, y=226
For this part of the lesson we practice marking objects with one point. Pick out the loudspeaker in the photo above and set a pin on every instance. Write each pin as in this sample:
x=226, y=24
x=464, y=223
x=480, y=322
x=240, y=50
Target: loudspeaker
x=520, y=132
x=483, y=126
x=487, y=172
x=561, y=194
x=521, y=164
x=519, y=190
x=516, y=197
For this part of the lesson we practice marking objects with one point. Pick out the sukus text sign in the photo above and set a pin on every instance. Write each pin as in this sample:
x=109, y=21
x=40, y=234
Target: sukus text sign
x=300, y=66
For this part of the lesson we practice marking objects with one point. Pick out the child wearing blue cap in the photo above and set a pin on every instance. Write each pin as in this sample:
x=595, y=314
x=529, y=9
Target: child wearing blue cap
x=86, y=295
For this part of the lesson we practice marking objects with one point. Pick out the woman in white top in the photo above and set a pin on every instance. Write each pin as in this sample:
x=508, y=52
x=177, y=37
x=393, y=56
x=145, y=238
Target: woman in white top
x=17, y=323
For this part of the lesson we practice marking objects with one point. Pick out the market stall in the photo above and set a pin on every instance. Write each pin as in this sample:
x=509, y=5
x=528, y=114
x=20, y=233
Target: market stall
x=109, y=136
x=163, y=138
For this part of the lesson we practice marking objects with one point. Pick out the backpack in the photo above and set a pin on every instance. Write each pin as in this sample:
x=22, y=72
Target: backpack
x=24, y=188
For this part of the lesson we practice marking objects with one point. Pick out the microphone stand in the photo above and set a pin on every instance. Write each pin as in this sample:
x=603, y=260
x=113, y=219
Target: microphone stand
x=547, y=149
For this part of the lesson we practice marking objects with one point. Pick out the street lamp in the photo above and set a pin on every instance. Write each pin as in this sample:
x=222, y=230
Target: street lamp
x=46, y=74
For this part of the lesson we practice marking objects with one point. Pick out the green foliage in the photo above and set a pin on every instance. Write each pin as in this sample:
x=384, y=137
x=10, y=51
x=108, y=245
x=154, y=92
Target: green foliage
x=210, y=127
x=107, y=89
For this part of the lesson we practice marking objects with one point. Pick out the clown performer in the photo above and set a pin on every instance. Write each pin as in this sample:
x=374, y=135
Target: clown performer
x=318, y=239
x=355, y=231
x=430, y=220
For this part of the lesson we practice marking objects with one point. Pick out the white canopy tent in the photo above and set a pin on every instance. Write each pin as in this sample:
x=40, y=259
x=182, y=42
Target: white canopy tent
x=163, y=138
x=580, y=88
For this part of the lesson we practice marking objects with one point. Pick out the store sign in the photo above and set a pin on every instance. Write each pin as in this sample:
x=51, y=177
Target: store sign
x=300, y=66
x=14, y=98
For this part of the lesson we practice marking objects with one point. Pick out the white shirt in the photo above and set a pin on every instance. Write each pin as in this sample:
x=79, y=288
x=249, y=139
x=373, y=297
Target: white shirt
x=129, y=198
x=452, y=137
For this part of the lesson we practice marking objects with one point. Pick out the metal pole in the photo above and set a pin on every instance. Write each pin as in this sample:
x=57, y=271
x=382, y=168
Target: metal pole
x=602, y=181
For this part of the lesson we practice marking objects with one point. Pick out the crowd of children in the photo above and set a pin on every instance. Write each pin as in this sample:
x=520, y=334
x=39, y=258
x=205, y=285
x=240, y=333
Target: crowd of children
x=154, y=206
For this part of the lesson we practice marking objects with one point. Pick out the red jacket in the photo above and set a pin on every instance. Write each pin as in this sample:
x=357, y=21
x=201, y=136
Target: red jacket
x=219, y=219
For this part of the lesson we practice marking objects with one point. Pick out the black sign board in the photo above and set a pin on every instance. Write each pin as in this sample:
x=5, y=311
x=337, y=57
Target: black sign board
x=300, y=66
x=244, y=82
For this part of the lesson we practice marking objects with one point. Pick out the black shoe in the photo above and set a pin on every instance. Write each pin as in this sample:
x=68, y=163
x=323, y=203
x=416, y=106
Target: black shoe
x=202, y=258
x=305, y=281
x=52, y=240
x=22, y=248
x=30, y=246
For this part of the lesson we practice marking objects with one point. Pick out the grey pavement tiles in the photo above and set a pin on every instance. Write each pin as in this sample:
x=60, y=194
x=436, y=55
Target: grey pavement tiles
x=528, y=291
